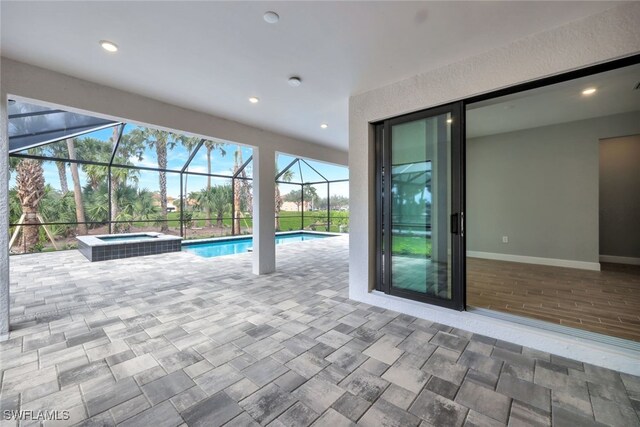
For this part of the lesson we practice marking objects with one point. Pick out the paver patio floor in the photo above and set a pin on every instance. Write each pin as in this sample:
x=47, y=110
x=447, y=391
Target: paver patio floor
x=175, y=339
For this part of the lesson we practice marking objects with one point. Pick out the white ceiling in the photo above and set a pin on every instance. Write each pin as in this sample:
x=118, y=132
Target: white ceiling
x=559, y=103
x=212, y=56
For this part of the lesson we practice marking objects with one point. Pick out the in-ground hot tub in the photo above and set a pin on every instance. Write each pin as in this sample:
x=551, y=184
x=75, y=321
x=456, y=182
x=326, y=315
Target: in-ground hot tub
x=114, y=246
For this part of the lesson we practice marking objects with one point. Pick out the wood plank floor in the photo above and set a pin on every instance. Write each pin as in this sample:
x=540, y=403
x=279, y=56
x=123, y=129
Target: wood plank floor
x=607, y=301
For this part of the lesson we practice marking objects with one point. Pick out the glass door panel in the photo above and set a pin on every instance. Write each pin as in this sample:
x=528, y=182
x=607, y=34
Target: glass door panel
x=420, y=255
x=421, y=230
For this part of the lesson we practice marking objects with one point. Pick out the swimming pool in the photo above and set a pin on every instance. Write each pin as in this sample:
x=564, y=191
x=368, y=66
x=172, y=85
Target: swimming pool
x=242, y=245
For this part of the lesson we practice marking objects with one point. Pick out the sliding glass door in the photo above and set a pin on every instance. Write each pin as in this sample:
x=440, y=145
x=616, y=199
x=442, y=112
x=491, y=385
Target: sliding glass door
x=420, y=219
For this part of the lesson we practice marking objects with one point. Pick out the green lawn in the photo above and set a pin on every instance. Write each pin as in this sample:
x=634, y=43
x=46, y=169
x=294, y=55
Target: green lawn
x=288, y=220
x=411, y=245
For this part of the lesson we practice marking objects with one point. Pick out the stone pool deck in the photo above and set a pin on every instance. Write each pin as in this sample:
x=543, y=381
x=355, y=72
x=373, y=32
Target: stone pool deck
x=174, y=339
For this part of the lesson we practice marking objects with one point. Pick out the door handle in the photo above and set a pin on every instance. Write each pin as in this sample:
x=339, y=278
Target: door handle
x=455, y=223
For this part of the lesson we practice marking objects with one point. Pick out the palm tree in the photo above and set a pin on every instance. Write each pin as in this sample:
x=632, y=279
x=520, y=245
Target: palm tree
x=237, y=163
x=97, y=202
x=286, y=177
x=30, y=187
x=144, y=206
x=190, y=144
x=311, y=193
x=210, y=146
x=97, y=150
x=100, y=151
x=59, y=151
x=161, y=141
x=216, y=199
x=77, y=189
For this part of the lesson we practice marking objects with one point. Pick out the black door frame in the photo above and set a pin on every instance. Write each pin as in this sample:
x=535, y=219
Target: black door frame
x=459, y=270
x=457, y=177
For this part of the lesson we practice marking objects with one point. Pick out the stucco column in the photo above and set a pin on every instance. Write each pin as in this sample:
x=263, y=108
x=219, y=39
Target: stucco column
x=4, y=220
x=264, y=187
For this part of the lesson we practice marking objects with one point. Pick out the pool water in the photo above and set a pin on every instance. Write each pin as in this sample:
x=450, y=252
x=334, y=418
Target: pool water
x=240, y=246
x=137, y=237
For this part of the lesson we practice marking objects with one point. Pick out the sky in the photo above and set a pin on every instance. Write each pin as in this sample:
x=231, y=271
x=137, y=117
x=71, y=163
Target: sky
x=222, y=164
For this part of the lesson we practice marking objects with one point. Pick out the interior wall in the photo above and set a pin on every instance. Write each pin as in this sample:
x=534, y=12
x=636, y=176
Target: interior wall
x=569, y=47
x=539, y=187
x=620, y=198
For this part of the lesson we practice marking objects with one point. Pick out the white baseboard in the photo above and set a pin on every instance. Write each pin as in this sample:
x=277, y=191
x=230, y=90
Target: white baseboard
x=620, y=259
x=583, y=265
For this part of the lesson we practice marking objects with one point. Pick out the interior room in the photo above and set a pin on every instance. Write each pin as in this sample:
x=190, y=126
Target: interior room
x=552, y=203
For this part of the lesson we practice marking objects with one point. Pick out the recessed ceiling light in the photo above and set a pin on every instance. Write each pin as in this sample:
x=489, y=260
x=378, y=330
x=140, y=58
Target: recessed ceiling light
x=324, y=126
x=271, y=17
x=254, y=100
x=589, y=91
x=449, y=121
x=109, y=46
x=295, y=81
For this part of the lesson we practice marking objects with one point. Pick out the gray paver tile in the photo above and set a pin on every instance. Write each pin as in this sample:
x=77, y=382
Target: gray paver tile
x=352, y=407
x=188, y=398
x=363, y=384
x=384, y=350
x=523, y=415
x=399, y=396
x=241, y=389
x=133, y=366
x=129, y=408
x=533, y=394
x=564, y=418
x=442, y=367
x=83, y=373
x=167, y=387
x=383, y=413
x=290, y=381
x=449, y=341
x=613, y=413
x=318, y=394
x=409, y=378
x=332, y=418
x=267, y=403
x=100, y=399
x=297, y=415
x=39, y=391
x=485, y=401
x=437, y=410
x=212, y=412
x=162, y=415
x=294, y=333
x=179, y=360
x=476, y=419
x=307, y=365
x=218, y=379
x=242, y=420
x=442, y=387
x=264, y=371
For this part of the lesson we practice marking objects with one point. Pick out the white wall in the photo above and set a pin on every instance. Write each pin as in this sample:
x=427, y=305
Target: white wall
x=539, y=187
x=612, y=34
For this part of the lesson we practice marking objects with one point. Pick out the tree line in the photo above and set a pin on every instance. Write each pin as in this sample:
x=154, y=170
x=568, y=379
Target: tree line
x=86, y=205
